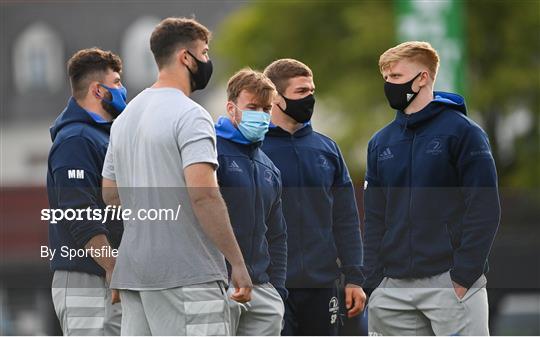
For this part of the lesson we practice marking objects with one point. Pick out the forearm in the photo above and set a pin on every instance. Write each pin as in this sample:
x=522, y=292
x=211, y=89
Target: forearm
x=278, y=256
x=276, y=236
x=109, y=192
x=350, y=252
x=111, y=199
x=213, y=217
x=479, y=226
x=374, y=229
x=478, y=181
x=346, y=230
x=97, y=242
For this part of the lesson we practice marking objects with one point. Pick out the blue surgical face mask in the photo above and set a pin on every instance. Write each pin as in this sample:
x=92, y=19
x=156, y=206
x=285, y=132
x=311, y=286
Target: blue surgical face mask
x=119, y=97
x=254, y=125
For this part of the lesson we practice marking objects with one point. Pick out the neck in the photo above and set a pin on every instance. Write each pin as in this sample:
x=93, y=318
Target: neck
x=94, y=106
x=168, y=78
x=284, y=121
x=424, y=97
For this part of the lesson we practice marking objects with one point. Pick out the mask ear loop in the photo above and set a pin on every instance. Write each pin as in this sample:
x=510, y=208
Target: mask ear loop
x=420, y=88
x=232, y=117
x=285, y=99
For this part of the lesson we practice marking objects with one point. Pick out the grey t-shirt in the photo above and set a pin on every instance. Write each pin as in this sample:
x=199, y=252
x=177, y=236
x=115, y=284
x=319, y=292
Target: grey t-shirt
x=159, y=134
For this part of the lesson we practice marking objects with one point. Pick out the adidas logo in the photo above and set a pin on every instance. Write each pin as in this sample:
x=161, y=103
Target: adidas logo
x=233, y=166
x=386, y=154
x=409, y=96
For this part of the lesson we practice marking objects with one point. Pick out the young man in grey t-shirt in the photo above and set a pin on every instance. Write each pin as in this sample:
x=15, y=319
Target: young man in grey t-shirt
x=162, y=153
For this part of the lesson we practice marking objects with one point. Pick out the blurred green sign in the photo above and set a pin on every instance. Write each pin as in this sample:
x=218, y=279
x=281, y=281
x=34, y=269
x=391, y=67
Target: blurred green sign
x=439, y=22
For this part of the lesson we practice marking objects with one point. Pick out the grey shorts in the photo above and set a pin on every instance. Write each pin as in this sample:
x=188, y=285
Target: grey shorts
x=428, y=306
x=195, y=310
x=82, y=303
x=262, y=316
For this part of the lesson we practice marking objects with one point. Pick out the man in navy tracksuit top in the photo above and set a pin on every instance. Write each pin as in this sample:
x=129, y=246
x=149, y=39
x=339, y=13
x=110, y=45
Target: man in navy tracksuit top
x=431, y=205
x=319, y=206
x=82, y=300
x=251, y=187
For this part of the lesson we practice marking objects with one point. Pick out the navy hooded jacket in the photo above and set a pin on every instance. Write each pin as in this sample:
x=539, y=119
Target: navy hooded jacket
x=431, y=199
x=80, y=141
x=319, y=206
x=251, y=187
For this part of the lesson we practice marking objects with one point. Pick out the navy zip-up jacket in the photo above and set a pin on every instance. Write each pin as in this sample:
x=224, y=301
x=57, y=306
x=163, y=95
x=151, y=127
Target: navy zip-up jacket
x=80, y=141
x=319, y=206
x=251, y=187
x=431, y=199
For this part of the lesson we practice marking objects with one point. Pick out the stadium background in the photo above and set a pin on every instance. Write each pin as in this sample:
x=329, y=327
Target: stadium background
x=490, y=53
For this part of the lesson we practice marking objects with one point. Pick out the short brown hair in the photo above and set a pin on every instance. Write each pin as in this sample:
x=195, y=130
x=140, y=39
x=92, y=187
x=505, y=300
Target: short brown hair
x=280, y=71
x=173, y=33
x=89, y=65
x=415, y=51
x=253, y=82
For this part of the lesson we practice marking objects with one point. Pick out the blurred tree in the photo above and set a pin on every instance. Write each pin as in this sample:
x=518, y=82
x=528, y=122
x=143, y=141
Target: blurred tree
x=504, y=77
x=342, y=41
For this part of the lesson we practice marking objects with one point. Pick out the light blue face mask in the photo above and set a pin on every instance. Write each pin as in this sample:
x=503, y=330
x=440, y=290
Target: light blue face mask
x=254, y=125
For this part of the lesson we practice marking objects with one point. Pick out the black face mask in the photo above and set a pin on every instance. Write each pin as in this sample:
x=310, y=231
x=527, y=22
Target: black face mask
x=301, y=109
x=201, y=77
x=399, y=96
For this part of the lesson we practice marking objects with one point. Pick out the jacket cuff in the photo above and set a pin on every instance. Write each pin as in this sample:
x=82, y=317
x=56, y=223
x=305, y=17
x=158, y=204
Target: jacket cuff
x=463, y=279
x=83, y=233
x=355, y=277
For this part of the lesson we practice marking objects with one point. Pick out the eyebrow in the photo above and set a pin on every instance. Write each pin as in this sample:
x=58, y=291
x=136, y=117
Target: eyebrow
x=392, y=74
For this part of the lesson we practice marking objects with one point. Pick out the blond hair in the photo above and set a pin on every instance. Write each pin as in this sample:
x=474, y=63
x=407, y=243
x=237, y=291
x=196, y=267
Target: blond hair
x=253, y=82
x=414, y=51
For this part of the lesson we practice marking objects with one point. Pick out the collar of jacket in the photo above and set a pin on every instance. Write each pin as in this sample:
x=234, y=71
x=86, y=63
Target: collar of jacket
x=441, y=102
x=74, y=113
x=276, y=131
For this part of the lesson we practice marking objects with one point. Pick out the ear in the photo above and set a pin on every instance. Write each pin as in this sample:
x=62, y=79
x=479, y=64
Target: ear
x=424, y=79
x=230, y=109
x=184, y=58
x=96, y=91
x=280, y=102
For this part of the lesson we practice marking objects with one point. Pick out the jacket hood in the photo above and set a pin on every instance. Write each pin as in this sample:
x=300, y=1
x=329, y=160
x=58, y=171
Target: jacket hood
x=441, y=101
x=74, y=113
x=225, y=129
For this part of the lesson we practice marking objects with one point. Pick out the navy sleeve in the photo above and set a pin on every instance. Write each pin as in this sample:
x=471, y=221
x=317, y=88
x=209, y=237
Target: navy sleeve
x=276, y=235
x=478, y=181
x=346, y=225
x=77, y=184
x=374, y=221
